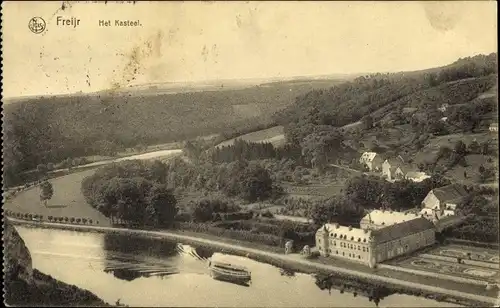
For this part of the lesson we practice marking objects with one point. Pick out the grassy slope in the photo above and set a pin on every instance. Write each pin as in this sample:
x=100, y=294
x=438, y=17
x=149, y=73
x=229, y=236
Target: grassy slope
x=68, y=201
x=453, y=93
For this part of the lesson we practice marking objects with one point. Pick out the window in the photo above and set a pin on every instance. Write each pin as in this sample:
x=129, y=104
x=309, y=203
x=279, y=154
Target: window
x=364, y=240
x=352, y=238
x=359, y=256
x=335, y=235
x=349, y=255
x=337, y=252
x=343, y=253
x=364, y=249
x=359, y=239
x=334, y=243
x=359, y=247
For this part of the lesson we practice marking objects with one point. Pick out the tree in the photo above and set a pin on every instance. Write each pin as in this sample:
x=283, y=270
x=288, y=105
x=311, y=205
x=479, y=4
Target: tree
x=42, y=169
x=486, y=174
x=50, y=166
x=474, y=147
x=46, y=192
x=485, y=148
x=367, y=122
x=158, y=172
x=460, y=148
x=205, y=208
x=255, y=183
x=161, y=206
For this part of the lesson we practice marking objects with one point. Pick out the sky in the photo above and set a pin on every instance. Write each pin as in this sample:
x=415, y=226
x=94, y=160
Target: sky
x=195, y=41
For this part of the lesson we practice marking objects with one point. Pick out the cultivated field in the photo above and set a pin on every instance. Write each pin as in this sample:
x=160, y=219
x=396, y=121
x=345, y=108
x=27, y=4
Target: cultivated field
x=273, y=135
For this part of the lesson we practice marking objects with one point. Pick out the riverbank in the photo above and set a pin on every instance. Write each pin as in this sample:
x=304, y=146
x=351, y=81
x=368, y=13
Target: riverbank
x=27, y=287
x=406, y=284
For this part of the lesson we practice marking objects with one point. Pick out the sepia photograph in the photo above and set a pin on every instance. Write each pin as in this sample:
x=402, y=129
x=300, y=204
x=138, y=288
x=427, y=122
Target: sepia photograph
x=250, y=154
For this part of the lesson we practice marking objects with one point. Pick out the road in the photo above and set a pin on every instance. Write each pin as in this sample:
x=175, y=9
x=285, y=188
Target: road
x=289, y=259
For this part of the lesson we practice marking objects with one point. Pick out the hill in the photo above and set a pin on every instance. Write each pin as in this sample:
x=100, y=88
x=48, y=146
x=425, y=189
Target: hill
x=413, y=114
x=50, y=129
x=25, y=286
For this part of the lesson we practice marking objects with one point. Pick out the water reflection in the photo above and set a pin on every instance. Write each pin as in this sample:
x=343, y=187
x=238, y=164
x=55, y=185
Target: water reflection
x=155, y=272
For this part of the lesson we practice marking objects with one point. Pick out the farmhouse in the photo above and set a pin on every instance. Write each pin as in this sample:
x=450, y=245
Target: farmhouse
x=494, y=127
x=444, y=198
x=442, y=220
x=372, y=161
x=393, y=169
x=377, y=219
x=370, y=247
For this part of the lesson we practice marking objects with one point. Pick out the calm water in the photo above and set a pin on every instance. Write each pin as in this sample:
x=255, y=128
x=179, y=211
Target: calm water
x=155, y=272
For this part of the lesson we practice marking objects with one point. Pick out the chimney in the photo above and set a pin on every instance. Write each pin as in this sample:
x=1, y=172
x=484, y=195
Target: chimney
x=350, y=228
x=336, y=225
x=365, y=230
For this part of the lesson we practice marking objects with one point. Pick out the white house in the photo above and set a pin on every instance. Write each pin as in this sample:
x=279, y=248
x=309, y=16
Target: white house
x=494, y=127
x=371, y=160
x=416, y=176
x=444, y=198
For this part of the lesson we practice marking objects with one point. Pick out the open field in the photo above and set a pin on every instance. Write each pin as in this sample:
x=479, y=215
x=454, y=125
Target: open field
x=68, y=201
x=430, y=151
x=273, y=135
x=472, y=169
x=314, y=190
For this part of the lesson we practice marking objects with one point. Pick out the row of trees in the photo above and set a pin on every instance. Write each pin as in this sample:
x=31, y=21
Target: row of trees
x=244, y=150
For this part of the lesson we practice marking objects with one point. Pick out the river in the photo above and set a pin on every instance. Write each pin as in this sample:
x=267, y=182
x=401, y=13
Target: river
x=155, y=272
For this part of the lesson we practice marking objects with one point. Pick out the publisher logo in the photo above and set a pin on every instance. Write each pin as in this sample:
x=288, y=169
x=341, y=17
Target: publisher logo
x=37, y=25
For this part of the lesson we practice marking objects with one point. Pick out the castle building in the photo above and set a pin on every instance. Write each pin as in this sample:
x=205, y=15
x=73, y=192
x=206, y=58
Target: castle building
x=373, y=245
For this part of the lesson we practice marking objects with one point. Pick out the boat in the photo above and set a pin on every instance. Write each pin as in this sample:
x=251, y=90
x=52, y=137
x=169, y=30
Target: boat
x=229, y=272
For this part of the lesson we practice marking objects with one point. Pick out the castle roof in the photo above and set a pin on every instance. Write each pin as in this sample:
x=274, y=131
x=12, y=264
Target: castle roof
x=400, y=230
x=387, y=218
x=347, y=233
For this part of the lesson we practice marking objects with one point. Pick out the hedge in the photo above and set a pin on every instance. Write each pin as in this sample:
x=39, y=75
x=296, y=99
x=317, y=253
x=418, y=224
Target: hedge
x=242, y=235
